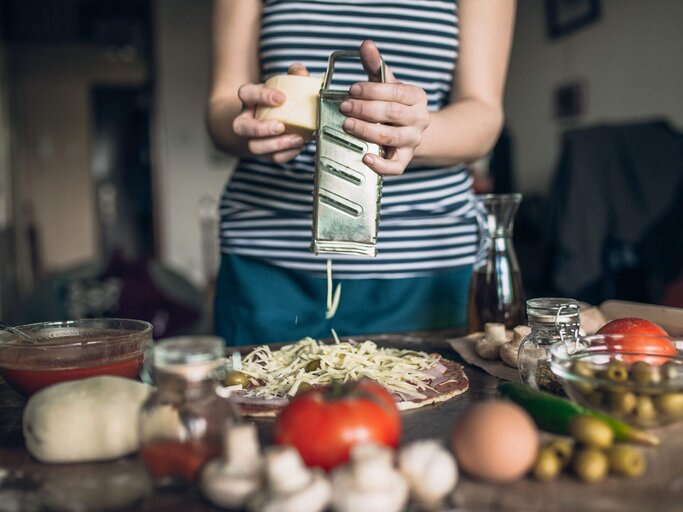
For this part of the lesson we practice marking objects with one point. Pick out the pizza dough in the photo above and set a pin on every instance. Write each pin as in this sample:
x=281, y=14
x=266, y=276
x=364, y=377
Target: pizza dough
x=451, y=382
x=455, y=382
x=84, y=420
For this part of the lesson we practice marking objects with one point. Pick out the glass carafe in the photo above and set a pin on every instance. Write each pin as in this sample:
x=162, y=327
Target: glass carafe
x=496, y=292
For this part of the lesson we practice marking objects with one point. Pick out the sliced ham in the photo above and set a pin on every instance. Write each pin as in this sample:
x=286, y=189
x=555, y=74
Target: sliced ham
x=240, y=399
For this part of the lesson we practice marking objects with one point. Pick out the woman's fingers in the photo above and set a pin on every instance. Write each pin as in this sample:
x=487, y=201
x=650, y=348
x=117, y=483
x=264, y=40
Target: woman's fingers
x=245, y=125
x=285, y=156
x=398, y=93
x=385, y=112
x=298, y=69
x=253, y=95
x=271, y=145
x=393, y=164
x=372, y=63
x=382, y=134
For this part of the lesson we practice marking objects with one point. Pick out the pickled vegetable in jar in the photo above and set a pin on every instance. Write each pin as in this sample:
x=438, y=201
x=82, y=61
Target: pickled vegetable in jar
x=550, y=320
x=183, y=422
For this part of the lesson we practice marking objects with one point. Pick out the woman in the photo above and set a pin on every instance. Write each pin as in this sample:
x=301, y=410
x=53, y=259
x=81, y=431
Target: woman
x=441, y=107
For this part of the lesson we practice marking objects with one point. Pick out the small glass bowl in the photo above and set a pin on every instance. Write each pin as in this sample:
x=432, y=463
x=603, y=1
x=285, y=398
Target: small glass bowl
x=73, y=350
x=642, y=387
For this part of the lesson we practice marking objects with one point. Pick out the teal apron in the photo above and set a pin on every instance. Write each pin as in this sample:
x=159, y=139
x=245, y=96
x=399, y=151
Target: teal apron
x=260, y=303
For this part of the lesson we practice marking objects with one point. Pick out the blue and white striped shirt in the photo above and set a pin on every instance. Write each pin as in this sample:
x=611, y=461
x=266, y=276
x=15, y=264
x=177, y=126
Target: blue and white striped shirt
x=426, y=220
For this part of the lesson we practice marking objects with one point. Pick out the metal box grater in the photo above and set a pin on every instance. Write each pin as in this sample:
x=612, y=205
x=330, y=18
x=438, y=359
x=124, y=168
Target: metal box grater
x=346, y=197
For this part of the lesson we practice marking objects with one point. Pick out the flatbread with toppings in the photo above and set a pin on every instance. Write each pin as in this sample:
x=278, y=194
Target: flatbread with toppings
x=273, y=377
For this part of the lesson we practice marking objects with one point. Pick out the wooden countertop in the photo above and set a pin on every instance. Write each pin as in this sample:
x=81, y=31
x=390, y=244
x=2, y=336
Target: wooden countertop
x=28, y=485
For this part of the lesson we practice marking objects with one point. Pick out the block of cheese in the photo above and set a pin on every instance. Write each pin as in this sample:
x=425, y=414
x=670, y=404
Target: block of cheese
x=299, y=113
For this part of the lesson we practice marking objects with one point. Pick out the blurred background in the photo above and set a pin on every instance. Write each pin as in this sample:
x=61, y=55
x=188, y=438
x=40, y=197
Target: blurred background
x=109, y=182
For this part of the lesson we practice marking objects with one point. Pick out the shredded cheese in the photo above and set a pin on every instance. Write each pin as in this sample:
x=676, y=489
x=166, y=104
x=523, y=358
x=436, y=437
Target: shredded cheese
x=332, y=300
x=277, y=374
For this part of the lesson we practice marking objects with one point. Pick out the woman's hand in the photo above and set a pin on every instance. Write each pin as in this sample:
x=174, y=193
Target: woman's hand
x=267, y=138
x=391, y=114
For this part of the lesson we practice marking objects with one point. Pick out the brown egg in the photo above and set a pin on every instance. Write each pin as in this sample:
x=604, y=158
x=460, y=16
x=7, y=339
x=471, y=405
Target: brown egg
x=495, y=441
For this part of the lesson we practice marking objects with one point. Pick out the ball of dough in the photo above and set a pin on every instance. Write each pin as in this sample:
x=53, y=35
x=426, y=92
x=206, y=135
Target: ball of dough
x=84, y=420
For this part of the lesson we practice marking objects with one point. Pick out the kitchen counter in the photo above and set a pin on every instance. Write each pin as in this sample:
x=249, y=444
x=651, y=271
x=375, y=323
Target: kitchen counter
x=27, y=485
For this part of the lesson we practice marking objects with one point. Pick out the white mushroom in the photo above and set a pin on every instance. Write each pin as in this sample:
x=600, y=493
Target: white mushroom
x=495, y=332
x=292, y=487
x=508, y=353
x=495, y=336
x=229, y=481
x=519, y=333
x=431, y=471
x=369, y=483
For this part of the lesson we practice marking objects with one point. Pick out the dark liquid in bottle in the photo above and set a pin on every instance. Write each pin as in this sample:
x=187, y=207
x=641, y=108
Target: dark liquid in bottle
x=495, y=297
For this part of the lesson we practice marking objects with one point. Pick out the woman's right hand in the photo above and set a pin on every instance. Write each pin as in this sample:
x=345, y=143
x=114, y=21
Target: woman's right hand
x=267, y=138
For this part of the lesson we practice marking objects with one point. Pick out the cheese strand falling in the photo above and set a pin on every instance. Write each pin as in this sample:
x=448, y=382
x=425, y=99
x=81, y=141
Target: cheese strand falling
x=332, y=300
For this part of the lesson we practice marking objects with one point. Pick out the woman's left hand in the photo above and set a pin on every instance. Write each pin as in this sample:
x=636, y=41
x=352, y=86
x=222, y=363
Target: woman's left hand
x=391, y=114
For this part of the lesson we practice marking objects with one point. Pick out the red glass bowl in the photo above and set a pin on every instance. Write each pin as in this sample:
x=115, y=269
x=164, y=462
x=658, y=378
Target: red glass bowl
x=73, y=350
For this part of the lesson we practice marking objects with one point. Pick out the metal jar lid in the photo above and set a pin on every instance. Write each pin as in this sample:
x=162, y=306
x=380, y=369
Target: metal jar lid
x=553, y=310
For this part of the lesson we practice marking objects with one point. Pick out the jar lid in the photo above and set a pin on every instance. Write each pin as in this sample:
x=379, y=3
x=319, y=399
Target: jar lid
x=553, y=310
x=191, y=357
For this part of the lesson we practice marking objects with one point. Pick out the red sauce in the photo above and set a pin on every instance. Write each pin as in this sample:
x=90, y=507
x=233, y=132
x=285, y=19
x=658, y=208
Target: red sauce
x=177, y=460
x=28, y=382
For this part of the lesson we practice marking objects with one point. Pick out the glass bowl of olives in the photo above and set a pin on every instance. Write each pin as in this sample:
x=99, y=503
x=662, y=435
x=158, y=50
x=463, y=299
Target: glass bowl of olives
x=635, y=378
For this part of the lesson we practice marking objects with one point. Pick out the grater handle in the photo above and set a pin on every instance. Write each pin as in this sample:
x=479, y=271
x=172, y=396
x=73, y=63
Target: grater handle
x=340, y=54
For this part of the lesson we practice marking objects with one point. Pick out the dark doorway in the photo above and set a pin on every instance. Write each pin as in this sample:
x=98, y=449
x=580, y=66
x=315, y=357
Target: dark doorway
x=121, y=171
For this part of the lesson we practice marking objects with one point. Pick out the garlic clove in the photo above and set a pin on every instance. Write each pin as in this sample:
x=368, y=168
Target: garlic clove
x=430, y=469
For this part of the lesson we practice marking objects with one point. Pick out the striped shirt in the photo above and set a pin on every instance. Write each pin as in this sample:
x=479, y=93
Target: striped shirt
x=426, y=219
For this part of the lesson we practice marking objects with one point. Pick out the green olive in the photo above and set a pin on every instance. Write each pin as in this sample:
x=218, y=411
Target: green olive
x=621, y=402
x=583, y=369
x=669, y=403
x=670, y=370
x=626, y=460
x=563, y=449
x=616, y=371
x=590, y=465
x=313, y=365
x=595, y=399
x=548, y=465
x=591, y=431
x=303, y=387
x=645, y=408
x=236, y=378
x=643, y=372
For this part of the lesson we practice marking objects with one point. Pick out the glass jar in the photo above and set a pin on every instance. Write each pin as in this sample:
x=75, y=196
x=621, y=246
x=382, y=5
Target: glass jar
x=496, y=293
x=550, y=320
x=183, y=422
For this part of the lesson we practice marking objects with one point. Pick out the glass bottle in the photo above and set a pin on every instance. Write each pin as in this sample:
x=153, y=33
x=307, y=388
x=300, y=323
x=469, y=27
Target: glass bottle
x=550, y=320
x=182, y=423
x=496, y=292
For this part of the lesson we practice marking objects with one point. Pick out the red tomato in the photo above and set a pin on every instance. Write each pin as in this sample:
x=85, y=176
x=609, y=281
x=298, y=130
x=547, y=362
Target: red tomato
x=324, y=423
x=639, y=336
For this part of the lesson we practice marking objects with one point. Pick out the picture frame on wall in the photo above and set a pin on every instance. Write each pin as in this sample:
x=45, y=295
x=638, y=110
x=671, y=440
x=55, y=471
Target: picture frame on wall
x=566, y=16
